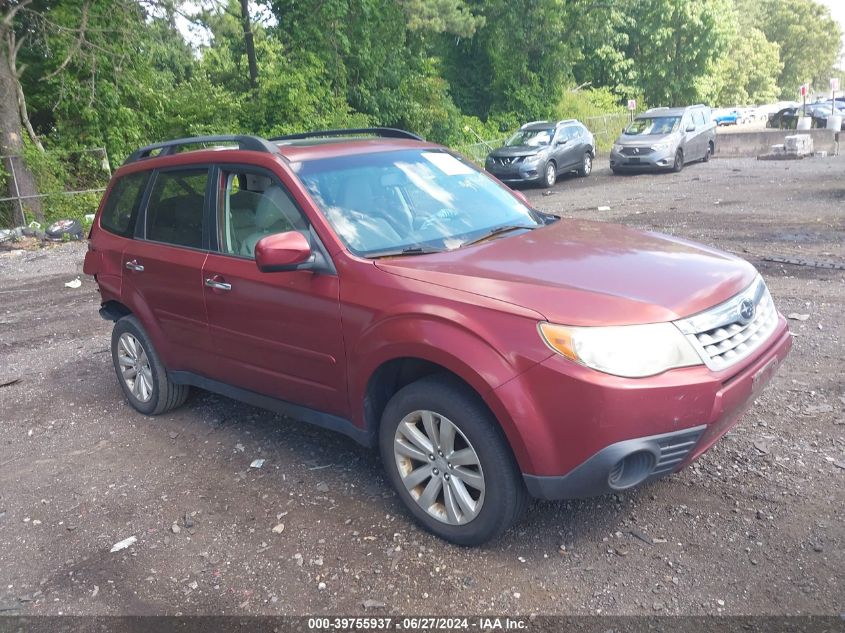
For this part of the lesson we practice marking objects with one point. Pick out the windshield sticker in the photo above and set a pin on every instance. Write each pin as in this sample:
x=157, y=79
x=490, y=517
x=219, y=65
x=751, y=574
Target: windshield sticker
x=447, y=163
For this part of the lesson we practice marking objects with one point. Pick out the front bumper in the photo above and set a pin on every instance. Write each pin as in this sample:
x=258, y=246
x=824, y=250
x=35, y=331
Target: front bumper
x=661, y=159
x=579, y=429
x=515, y=174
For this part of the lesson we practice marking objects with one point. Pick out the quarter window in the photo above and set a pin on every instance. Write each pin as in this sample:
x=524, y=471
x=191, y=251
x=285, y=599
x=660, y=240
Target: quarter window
x=120, y=209
x=253, y=206
x=175, y=210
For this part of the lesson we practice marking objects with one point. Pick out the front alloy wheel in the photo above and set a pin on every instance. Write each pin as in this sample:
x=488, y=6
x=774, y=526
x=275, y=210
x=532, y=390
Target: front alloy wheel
x=550, y=175
x=439, y=467
x=449, y=461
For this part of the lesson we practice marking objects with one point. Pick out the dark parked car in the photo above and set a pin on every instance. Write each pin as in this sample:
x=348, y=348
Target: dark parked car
x=540, y=151
x=385, y=288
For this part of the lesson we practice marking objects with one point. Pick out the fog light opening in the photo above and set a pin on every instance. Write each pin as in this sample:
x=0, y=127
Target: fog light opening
x=631, y=470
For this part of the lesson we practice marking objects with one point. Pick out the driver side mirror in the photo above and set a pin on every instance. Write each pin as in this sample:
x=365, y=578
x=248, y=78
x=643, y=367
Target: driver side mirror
x=691, y=127
x=283, y=252
x=561, y=141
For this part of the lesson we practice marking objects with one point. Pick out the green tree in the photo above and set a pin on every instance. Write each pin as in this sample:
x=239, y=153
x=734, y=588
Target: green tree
x=808, y=37
x=674, y=45
x=748, y=71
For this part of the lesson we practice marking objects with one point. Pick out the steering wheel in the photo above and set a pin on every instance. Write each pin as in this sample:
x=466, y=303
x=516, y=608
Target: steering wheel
x=441, y=215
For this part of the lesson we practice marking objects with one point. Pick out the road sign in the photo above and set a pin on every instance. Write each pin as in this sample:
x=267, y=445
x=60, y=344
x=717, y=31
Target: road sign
x=834, y=84
x=632, y=104
x=803, y=90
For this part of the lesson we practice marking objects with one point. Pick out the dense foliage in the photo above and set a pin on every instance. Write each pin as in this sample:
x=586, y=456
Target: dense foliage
x=116, y=74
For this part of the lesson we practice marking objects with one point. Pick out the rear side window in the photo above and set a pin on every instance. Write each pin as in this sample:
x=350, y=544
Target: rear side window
x=122, y=206
x=175, y=209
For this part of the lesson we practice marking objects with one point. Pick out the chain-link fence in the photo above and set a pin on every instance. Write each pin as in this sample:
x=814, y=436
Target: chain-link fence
x=69, y=183
x=606, y=128
x=477, y=152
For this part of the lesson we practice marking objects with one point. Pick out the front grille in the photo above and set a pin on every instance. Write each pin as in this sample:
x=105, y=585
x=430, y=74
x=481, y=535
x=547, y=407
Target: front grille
x=674, y=449
x=636, y=151
x=733, y=330
x=506, y=161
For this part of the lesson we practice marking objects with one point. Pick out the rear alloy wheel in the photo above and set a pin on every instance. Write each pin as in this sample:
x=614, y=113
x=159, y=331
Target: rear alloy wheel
x=709, y=153
x=449, y=462
x=678, y=165
x=586, y=165
x=140, y=372
x=550, y=174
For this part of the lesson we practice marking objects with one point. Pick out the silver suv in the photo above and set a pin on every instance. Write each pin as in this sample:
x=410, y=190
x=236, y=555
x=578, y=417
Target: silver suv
x=665, y=138
x=542, y=150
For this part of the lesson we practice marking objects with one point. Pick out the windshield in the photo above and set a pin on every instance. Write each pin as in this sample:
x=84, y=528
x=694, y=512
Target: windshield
x=656, y=126
x=534, y=138
x=418, y=200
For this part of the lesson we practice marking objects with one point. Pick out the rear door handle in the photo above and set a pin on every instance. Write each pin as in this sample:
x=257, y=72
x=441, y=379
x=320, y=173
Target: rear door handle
x=211, y=282
x=133, y=264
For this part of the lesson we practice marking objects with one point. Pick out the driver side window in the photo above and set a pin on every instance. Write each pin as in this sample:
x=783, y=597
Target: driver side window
x=251, y=206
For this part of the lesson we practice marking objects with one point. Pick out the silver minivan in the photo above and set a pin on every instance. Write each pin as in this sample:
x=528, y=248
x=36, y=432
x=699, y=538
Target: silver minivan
x=665, y=138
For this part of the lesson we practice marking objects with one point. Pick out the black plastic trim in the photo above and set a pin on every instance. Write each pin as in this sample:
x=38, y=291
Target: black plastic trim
x=295, y=411
x=248, y=143
x=591, y=478
x=384, y=132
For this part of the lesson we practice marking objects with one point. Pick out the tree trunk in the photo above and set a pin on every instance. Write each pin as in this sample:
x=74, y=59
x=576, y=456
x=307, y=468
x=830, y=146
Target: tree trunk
x=249, y=42
x=22, y=184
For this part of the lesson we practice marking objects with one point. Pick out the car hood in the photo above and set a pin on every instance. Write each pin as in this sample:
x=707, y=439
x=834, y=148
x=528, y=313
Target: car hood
x=516, y=150
x=580, y=272
x=647, y=140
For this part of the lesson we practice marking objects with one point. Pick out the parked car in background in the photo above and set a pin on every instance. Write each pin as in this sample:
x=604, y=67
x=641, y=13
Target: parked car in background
x=381, y=286
x=541, y=151
x=665, y=138
x=821, y=111
x=787, y=118
x=725, y=116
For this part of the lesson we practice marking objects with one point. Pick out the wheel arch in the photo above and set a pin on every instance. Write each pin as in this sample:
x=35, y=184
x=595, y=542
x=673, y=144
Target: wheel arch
x=392, y=374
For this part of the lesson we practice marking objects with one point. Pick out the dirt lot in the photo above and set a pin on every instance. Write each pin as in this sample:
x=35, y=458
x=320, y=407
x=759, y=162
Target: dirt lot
x=754, y=527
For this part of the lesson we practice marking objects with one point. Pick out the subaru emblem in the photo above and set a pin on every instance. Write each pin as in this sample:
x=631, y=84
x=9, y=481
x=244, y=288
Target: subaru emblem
x=746, y=310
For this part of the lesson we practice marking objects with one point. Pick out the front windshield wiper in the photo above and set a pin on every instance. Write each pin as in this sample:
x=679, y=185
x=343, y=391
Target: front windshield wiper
x=507, y=228
x=403, y=252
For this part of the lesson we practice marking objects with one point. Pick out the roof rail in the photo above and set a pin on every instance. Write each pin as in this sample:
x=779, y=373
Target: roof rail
x=252, y=143
x=384, y=132
x=532, y=123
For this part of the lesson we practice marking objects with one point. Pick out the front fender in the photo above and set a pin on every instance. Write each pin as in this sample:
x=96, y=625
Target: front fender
x=483, y=359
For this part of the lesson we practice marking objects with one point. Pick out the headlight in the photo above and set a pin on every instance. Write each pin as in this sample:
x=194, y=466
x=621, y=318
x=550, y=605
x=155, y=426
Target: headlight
x=631, y=351
x=531, y=159
x=659, y=147
x=617, y=147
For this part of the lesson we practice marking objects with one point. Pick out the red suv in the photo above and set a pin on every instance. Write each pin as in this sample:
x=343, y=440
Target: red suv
x=383, y=287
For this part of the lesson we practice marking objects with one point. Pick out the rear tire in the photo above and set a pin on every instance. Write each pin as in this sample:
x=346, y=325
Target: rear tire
x=586, y=165
x=709, y=152
x=140, y=372
x=429, y=426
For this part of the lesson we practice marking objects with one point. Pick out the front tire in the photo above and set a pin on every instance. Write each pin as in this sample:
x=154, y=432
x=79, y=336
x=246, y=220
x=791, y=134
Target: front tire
x=678, y=165
x=140, y=372
x=449, y=462
x=549, y=175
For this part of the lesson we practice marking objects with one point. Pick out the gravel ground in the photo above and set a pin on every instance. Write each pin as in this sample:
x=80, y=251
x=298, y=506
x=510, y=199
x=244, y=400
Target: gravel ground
x=754, y=527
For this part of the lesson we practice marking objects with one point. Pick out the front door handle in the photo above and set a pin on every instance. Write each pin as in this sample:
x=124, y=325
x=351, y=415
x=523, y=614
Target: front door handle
x=216, y=284
x=133, y=264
